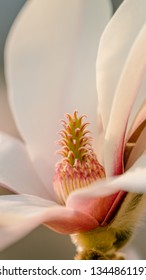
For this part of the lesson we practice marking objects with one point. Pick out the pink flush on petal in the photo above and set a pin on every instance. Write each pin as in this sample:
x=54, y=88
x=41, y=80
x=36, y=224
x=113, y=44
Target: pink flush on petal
x=79, y=168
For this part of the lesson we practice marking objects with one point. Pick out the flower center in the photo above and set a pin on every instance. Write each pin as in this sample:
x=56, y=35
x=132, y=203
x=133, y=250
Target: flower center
x=79, y=166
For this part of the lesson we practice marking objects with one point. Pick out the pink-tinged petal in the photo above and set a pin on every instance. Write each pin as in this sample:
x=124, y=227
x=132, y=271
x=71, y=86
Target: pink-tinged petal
x=125, y=96
x=102, y=209
x=114, y=48
x=139, y=119
x=138, y=149
x=49, y=66
x=112, y=210
x=96, y=202
x=68, y=220
x=16, y=170
x=20, y=214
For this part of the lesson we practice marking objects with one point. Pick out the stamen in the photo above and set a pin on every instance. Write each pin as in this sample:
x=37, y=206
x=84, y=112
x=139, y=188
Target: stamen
x=79, y=166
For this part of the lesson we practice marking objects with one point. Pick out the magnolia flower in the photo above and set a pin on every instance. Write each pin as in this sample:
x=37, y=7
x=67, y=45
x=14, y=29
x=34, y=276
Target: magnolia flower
x=57, y=48
x=102, y=215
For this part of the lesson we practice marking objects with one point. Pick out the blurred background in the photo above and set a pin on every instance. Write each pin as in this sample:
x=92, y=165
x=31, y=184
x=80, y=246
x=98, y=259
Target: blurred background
x=41, y=243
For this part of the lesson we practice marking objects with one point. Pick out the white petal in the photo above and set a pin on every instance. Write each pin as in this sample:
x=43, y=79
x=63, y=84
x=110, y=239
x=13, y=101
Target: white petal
x=126, y=92
x=114, y=48
x=16, y=170
x=50, y=58
x=19, y=215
